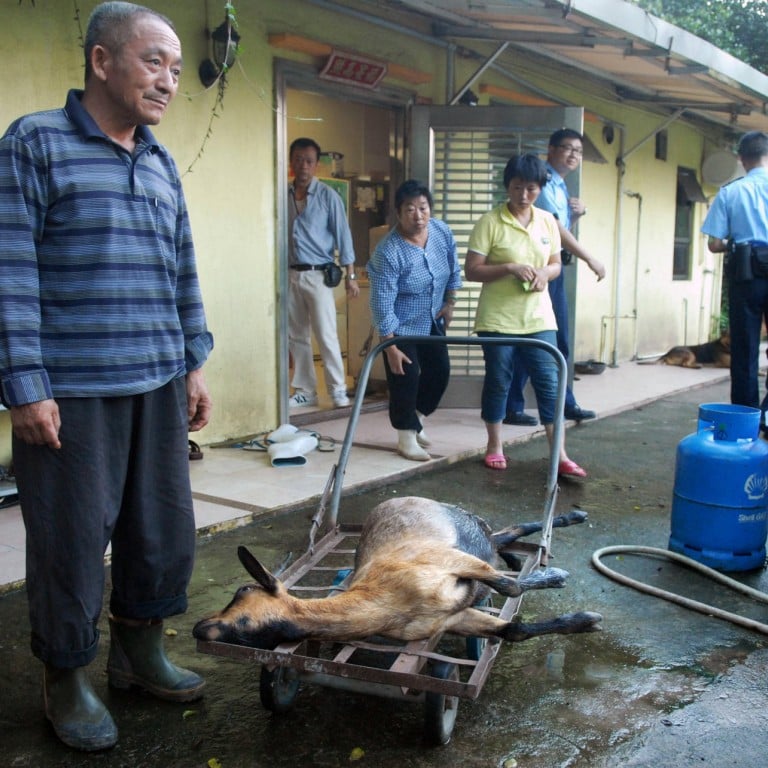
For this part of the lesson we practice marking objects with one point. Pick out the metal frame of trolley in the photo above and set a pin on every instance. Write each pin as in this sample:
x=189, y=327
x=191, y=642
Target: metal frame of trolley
x=417, y=671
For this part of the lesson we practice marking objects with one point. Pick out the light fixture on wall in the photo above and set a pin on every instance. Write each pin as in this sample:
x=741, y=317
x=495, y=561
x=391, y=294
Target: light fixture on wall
x=224, y=41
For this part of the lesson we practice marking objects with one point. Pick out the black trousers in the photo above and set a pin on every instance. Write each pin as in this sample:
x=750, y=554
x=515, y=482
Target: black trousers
x=421, y=387
x=747, y=309
x=121, y=475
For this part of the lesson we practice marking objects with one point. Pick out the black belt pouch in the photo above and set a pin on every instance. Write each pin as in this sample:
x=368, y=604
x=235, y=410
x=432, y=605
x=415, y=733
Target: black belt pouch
x=332, y=274
x=740, y=263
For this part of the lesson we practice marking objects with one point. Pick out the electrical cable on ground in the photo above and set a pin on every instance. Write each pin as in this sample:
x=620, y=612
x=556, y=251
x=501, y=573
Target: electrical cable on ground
x=673, y=597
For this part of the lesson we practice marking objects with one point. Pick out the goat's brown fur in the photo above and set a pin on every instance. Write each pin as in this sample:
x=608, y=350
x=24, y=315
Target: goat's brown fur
x=410, y=582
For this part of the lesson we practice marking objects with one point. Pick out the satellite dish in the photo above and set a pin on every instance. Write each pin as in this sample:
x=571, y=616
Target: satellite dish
x=720, y=168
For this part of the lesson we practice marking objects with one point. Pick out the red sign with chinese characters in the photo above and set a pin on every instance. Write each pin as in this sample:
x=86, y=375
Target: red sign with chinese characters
x=352, y=69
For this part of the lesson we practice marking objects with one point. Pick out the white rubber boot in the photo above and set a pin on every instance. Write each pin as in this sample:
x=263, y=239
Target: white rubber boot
x=408, y=446
x=421, y=437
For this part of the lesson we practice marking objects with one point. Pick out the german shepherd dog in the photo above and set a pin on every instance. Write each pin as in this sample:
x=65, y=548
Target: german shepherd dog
x=716, y=353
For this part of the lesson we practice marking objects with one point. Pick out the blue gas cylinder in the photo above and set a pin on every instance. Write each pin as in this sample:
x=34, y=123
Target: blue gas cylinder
x=720, y=501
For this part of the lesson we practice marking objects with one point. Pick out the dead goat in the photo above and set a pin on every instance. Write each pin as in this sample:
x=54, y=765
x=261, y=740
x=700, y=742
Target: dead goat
x=420, y=566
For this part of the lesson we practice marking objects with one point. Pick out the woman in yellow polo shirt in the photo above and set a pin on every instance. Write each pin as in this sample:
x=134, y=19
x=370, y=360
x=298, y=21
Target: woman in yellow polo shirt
x=514, y=251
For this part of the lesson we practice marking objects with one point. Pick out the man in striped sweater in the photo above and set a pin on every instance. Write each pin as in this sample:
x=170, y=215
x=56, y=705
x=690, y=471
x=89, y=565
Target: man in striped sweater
x=102, y=341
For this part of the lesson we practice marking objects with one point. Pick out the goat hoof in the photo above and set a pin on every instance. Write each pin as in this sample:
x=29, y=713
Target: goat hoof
x=584, y=621
x=549, y=578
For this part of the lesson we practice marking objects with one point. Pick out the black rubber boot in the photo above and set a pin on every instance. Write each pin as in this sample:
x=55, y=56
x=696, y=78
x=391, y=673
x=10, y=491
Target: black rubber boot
x=77, y=714
x=137, y=658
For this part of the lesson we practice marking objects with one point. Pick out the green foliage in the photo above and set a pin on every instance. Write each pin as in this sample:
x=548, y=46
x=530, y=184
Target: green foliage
x=739, y=27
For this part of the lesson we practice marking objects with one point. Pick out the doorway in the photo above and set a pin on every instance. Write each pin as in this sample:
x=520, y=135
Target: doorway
x=361, y=138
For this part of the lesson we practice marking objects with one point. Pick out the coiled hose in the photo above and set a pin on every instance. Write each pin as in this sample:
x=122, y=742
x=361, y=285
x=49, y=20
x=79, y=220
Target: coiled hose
x=673, y=597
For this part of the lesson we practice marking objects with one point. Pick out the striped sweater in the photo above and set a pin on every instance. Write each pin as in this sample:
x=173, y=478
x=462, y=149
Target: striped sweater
x=99, y=294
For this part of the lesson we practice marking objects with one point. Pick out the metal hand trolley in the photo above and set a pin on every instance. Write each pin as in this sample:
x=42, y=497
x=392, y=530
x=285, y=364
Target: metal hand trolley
x=415, y=671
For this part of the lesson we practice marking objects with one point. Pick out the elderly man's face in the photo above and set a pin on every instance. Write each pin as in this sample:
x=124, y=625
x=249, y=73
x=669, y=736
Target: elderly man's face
x=143, y=76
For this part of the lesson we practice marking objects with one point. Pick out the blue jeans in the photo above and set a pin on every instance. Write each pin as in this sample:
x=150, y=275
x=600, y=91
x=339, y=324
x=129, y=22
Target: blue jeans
x=516, y=399
x=747, y=306
x=499, y=363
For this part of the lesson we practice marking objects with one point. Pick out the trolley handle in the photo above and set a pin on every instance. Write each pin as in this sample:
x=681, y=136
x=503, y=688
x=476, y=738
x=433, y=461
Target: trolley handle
x=337, y=474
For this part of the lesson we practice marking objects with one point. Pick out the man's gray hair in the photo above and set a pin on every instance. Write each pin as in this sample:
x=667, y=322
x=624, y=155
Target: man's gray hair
x=111, y=25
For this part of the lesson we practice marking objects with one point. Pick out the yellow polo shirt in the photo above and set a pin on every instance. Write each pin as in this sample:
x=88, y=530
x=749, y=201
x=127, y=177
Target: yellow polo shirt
x=504, y=305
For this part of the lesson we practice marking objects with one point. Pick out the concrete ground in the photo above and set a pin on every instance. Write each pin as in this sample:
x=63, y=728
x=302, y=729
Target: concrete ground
x=659, y=686
x=236, y=486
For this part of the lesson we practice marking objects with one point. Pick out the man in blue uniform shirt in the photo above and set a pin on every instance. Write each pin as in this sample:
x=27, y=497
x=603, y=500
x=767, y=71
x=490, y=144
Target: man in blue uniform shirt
x=563, y=156
x=737, y=224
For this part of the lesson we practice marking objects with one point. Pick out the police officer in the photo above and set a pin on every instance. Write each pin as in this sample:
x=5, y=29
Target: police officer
x=737, y=224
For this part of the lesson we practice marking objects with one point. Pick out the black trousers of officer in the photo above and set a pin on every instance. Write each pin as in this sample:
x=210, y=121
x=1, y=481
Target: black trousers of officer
x=747, y=309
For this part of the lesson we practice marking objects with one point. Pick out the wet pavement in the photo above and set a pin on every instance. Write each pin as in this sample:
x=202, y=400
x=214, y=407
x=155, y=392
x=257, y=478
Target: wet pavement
x=659, y=686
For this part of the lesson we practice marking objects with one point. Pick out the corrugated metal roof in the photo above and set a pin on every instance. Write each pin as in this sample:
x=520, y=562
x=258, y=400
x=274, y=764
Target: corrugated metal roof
x=639, y=57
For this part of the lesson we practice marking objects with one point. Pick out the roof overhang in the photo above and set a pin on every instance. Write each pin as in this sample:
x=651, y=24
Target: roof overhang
x=642, y=59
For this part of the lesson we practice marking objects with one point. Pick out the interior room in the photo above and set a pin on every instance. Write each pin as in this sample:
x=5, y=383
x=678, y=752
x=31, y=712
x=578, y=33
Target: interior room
x=357, y=140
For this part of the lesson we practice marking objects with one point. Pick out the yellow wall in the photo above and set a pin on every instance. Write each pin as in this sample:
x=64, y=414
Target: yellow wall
x=231, y=189
x=667, y=311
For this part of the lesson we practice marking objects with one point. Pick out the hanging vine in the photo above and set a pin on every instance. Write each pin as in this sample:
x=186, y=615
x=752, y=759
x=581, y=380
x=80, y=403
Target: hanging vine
x=216, y=110
x=80, y=35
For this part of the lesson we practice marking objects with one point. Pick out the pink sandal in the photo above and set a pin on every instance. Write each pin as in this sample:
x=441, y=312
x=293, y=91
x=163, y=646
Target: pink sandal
x=570, y=468
x=495, y=461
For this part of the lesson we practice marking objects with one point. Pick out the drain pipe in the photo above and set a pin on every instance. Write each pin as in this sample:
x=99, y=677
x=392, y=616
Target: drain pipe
x=709, y=285
x=635, y=292
x=705, y=279
x=620, y=171
x=621, y=165
x=604, y=327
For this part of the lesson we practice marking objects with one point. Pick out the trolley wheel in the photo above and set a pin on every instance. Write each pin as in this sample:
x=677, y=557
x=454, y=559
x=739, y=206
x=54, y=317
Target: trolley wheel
x=440, y=709
x=476, y=645
x=278, y=688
